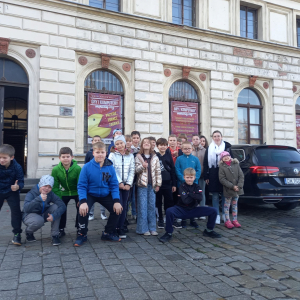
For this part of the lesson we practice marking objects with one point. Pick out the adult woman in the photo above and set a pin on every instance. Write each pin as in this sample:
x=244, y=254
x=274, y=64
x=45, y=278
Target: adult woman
x=211, y=169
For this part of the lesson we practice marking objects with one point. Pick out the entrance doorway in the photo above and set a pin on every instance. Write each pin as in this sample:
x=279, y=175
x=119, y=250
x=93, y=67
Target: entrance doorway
x=14, y=109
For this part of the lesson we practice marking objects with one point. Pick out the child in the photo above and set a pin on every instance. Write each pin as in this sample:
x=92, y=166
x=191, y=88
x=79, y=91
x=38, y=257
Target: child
x=89, y=156
x=168, y=180
x=123, y=162
x=128, y=143
x=232, y=178
x=183, y=137
x=173, y=148
x=187, y=160
x=135, y=139
x=179, y=143
x=147, y=167
x=11, y=182
x=116, y=132
x=152, y=143
x=37, y=209
x=98, y=183
x=66, y=175
x=189, y=198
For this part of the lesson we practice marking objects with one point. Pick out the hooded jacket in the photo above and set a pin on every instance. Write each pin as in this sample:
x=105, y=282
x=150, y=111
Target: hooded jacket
x=190, y=196
x=167, y=168
x=65, y=182
x=142, y=173
x=199, y=152
x=9, y=176
x=124, y=166
x=34, y=204
x=98, y=181
x=231, y=176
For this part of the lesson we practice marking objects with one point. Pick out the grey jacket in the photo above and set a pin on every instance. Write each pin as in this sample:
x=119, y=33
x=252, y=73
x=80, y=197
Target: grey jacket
x=34, y=204
x=124, y=166
x=231, y=176
x=199, y=152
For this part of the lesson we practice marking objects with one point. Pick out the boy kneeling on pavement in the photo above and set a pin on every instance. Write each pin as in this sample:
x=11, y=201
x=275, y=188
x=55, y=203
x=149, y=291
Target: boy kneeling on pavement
x=37, y=209
x=190, y=196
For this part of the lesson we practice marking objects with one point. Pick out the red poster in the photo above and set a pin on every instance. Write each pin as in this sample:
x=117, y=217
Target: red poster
x=104, y=115
x=298, y=130
x=184, y=118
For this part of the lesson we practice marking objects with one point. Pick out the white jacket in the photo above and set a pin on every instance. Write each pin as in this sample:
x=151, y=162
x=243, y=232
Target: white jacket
x=124, y=166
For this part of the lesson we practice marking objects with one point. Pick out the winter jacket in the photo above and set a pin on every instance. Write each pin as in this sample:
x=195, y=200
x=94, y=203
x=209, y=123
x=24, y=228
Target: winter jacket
x=124, y=166
x=142, y=173
x=199, y=152
x=34, y=204
x=98, y=181
x=213, y=173
x=231, y=176
x=183, y=162
x=190, y=196
x=135, y=150
x=167, y=168
x=65, y=182
x=89, y=156
x=9, y=176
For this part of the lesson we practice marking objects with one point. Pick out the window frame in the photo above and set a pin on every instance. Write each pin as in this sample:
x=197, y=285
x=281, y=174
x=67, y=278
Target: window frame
x=104, y=5
x=182, y=13
x=298, y=35
x=247, y=8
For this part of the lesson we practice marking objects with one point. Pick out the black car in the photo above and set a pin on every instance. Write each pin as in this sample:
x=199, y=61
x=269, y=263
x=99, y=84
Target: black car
x=272, y=174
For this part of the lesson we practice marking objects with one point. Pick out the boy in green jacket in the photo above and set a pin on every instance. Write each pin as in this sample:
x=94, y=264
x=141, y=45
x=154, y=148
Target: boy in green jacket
x=66, y=175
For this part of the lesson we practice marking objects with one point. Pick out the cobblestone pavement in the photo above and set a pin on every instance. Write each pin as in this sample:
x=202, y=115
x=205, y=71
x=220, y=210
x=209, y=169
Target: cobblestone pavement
x=259, y=261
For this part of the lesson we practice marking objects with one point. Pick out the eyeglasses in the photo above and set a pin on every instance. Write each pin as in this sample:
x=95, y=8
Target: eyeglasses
x=187, y=149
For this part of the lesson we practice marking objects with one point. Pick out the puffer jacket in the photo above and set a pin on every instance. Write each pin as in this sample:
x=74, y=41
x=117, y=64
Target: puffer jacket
x=124, y=166
x=199, y=152
x=231, y=176
x=142, y=172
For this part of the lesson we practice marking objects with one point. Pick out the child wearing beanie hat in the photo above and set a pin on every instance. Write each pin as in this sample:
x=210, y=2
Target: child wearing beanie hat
x=232, y=178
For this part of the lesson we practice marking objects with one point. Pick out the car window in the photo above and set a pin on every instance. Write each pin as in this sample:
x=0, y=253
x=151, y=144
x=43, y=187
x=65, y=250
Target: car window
x=269, y=156
x=239, y=154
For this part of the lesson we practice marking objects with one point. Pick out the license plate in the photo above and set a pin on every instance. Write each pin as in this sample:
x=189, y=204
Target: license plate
x=292, y=180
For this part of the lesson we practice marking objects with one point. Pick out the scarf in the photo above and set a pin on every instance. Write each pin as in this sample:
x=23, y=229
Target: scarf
x=214, y=152
x=228, y=163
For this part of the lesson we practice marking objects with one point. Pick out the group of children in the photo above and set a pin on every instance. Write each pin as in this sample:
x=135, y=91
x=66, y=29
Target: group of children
x=149, y=174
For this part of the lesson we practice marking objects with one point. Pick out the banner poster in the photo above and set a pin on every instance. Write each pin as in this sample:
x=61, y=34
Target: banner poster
x=184, y=118
x=298, y=130
x=104, y=115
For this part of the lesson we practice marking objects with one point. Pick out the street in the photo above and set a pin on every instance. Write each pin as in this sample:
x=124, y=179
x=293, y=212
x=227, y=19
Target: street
x=259, y=261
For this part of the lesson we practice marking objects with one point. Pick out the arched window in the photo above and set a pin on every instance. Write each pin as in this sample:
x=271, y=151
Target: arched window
x=184, y=109
x=298, y=122
x=11, y=72
x=250, y=118
x=104, y=98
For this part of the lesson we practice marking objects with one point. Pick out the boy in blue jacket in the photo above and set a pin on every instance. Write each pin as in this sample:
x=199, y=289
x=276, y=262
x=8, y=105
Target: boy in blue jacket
x=11, y=182
x=187, y=160
x=98, y=183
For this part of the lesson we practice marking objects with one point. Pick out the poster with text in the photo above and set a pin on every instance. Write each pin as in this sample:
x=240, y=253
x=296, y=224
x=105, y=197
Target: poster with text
x=185, y=118
x=298, y=130
x=104, y=115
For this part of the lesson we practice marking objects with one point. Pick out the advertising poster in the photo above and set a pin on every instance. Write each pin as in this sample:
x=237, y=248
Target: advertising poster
x=184, y=118
x=104, y=115
x=298, y=130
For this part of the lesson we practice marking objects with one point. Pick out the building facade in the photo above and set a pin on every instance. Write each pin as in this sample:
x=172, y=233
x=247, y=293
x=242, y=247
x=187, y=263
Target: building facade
x=234, y=64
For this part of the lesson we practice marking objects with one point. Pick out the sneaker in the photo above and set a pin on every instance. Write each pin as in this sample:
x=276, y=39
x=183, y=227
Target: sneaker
x=17, y=239
x=61, y=233
x=177, y=225
x=147, y=233
x=229, y=225
x=202, y=218
x=165, y=238
x=160, y=224
x=194, y=224
x=110, y=237
x=183, y=223
x=211, y=234
x=30, y=238
x=122, y=234
x=91, y=217
x=223, y=218
x=56, y=240
x=103, y=217
x=153, y=233
x=218, y=220
x=236, y=224
x=80, y=240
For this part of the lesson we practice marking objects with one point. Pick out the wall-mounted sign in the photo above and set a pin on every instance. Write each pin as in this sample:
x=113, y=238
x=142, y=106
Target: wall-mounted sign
x=66, y=111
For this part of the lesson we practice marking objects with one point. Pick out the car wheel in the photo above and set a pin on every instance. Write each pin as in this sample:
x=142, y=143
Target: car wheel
x=287, y=206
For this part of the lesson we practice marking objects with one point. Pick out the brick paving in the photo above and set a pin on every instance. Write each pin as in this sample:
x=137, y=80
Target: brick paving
x=259, y=261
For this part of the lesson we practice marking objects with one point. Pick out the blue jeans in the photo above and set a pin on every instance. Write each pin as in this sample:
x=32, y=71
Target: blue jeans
x=146, y=218
x=202, y=184
x=216, y=200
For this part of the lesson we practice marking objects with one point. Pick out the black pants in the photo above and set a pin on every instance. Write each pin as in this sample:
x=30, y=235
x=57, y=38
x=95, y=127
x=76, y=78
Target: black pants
x=168, y=200
x=123, y=201
x=113, y=218
x=63, y=218
x=13, y=200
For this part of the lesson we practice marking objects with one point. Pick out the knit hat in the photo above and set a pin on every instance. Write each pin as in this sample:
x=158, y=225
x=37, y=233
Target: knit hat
x=117, y=130
x=224, y=153
x=120, y=138
x=46, y=180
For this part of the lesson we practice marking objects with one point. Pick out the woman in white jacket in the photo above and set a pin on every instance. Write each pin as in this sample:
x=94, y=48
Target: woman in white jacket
x=123, y=162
